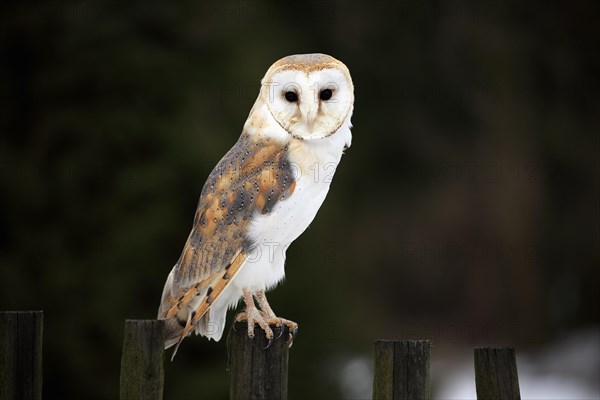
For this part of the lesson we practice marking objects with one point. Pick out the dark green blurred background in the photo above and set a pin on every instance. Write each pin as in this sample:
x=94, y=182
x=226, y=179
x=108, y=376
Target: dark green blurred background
x=465, y=212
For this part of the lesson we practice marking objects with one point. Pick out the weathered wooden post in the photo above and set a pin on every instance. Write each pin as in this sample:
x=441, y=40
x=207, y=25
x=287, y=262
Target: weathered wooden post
x=258, y=370
x=401, y=370
x=496, y=374
x=142, y=373
x=21, y=354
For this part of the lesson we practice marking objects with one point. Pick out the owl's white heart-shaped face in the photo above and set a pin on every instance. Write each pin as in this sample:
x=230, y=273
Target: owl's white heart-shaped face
x=310, y=96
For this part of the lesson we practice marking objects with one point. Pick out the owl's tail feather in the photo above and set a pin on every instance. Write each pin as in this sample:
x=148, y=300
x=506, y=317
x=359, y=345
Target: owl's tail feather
x=189, y=311
x=173, y=331
x=178, y=326
x=220, y=280
x=212, y=329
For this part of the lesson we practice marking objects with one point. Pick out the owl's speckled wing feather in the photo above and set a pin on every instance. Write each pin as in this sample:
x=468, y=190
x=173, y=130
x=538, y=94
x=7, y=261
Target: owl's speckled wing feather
x=251, y=178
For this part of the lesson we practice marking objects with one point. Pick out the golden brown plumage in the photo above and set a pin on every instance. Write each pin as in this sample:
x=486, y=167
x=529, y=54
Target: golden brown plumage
x=252, y=177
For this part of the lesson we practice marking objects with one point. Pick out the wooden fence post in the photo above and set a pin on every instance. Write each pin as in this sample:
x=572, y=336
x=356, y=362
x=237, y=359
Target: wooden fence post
x=257, y=371
x=496, y=374
x=21, y=355
x=401, y=370
x=142, y=373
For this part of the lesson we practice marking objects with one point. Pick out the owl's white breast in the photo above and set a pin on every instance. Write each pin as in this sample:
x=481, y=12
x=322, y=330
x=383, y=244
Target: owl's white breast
x=314, y=163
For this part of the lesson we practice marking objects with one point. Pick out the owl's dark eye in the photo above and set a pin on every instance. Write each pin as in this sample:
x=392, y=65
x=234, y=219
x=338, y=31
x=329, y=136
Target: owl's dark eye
x=326, y=94
x=291, y=97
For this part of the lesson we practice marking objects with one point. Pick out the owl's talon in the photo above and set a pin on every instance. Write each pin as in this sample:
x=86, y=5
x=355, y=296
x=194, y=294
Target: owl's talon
x=280, y=333
x=292, y=326
x=269, y=344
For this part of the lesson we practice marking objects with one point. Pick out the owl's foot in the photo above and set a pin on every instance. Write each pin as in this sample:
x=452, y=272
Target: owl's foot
x=272, y=319
x=254, y=316
x=265, y=317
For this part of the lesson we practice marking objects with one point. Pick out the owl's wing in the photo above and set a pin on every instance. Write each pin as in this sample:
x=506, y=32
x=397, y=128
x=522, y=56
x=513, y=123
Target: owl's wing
x=251, y=178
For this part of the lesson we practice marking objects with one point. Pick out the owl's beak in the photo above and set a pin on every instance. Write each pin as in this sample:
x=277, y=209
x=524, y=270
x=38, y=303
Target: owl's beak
x=309, y=113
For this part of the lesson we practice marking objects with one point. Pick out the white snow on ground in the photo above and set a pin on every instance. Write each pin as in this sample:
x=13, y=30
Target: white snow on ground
x=568, y=369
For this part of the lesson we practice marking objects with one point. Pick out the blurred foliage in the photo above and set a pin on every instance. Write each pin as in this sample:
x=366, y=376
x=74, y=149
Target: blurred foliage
x=468, y=199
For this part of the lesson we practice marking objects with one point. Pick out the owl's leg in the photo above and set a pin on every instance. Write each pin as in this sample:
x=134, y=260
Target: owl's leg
x=270, y=316
x=254, y=316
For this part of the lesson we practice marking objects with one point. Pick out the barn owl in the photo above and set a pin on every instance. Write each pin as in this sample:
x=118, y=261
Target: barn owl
x=259, y=198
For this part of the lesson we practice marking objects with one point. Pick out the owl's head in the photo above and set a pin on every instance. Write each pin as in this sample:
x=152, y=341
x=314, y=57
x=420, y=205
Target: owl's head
x=309, y=95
